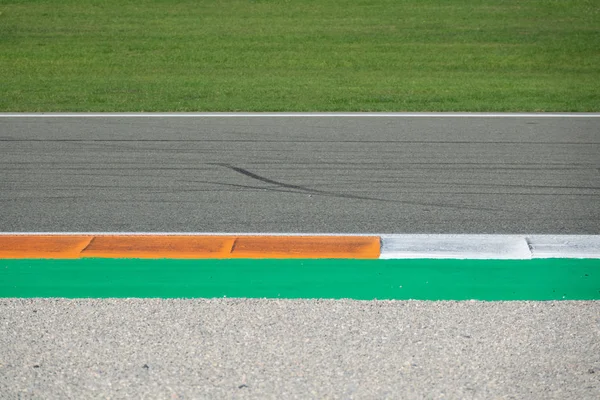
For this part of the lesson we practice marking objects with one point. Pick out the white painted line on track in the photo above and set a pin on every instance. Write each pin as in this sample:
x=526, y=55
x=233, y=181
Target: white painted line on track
x=300, y=114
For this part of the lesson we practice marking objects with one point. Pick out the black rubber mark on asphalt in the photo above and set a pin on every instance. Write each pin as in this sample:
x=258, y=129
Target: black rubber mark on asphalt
x=267, y=180
x=297, y=188
x=309, y=191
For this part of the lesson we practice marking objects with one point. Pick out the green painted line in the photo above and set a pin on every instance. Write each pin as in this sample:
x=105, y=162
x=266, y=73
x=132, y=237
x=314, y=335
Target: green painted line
x=540, y=279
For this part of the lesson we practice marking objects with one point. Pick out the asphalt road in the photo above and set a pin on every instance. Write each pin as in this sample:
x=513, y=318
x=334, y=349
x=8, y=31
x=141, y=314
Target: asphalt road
x=321, y=175
x=378, y=175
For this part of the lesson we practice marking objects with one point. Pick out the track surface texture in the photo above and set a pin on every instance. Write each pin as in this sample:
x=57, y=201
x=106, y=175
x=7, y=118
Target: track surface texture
x=320, y=175
x=221, y=348
x=367, y=175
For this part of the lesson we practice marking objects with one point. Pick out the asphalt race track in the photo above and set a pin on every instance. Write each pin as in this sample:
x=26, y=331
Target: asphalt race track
x=301, y=174
x=535, y=175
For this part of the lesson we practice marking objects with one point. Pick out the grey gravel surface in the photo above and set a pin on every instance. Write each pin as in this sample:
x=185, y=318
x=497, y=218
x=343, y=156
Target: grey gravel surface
x=321, y=175
x=228, y=348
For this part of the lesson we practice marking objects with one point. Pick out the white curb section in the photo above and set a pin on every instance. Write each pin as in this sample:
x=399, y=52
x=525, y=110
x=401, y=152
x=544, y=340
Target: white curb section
x=564, y=246
x=500, y=247
x=503, y=247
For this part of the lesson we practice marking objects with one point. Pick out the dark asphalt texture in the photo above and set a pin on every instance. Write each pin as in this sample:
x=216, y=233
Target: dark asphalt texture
x=320, y=175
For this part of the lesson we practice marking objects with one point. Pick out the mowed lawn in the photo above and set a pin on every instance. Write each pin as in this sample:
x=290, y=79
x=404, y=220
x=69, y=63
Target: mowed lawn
x=323, y=55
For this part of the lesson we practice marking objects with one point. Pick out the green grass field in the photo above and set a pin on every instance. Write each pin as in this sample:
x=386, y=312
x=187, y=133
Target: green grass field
x=323, y=55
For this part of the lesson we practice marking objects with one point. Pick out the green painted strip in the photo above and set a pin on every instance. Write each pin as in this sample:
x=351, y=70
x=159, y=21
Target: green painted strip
x=543, y=279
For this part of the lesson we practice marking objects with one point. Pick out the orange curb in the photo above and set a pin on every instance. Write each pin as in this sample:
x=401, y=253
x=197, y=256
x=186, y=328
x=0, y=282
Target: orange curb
x=187, y=246
x=159, y=247
x=39, y=246
x=306, y=247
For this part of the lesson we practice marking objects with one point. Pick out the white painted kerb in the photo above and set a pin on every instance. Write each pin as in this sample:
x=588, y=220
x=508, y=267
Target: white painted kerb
x=503, y=247
x=500, y=247
x=564, y=246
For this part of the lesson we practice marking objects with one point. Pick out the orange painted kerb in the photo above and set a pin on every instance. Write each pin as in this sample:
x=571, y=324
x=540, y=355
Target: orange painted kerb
x=306, y=247
x=41, y=246
x=187, y=246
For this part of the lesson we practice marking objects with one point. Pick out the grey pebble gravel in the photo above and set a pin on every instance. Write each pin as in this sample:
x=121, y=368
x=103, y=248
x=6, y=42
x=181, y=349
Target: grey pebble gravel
x=280, y=349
